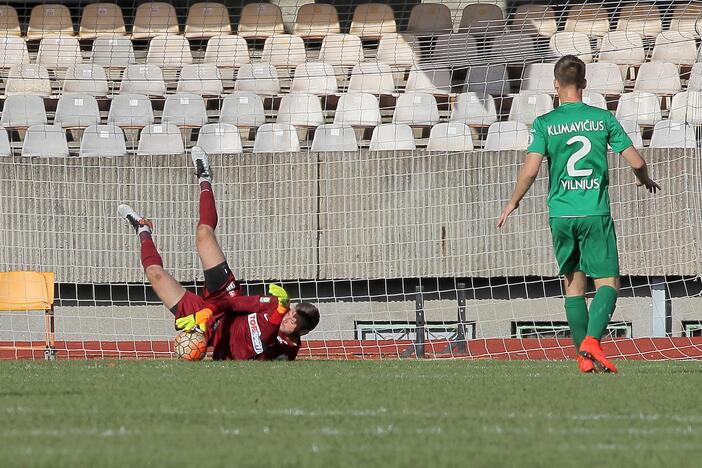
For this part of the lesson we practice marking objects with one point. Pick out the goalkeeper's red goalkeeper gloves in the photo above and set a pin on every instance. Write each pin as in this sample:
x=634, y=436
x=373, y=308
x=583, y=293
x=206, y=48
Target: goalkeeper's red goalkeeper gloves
x=282, y=295
x=197, y=320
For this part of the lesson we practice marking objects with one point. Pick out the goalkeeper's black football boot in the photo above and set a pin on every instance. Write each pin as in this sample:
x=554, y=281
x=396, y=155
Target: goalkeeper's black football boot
x=201, y=163
x=137, y=221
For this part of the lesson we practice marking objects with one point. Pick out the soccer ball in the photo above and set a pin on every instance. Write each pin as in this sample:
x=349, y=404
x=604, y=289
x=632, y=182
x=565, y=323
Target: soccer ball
x=190, y=345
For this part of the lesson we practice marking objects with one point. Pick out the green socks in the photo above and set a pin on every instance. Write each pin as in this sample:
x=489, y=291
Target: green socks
x=576, y=313
x=601, y=311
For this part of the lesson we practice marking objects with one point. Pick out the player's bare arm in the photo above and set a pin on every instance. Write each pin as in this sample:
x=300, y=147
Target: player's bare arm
x=527, y=175
x=640, y=168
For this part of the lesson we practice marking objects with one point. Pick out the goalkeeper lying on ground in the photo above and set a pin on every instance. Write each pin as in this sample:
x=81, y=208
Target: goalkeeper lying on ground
x=236, y=326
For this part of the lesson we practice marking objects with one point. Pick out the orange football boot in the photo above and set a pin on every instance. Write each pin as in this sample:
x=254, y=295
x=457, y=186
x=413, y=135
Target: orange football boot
x=586, y=365
x=590, y=348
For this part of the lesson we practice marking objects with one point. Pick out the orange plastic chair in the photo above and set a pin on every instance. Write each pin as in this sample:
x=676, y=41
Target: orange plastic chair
x=31, y=290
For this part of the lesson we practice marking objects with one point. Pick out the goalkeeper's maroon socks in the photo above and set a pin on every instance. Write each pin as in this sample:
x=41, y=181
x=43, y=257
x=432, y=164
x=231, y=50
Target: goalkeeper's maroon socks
x=208, y=210
x=149, y=253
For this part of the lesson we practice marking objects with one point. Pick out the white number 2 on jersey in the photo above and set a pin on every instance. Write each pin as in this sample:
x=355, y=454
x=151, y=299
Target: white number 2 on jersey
x=577, y=156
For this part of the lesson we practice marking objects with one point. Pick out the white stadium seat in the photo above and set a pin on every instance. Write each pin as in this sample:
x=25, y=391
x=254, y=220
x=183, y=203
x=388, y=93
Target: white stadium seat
x=604, y=78
x=315, y=78
x=372, y=20
x=526, y=107
x=85, y=78
x=131, y=111
x=169, y=51
x=537, y=20
x=153, y=19
x=77, y=111
x=622, y=48
x=284, y=50
x=392, y=137
x=260, y=20
x=538, y=78
x=143, y=79
x=160, y=139
x=45, y=141
x=9, y=22
x=59, y=52
x=342, y=50
x=669, y=134
x=334, y=137
x=687, y=18
x=481, y=19
x=640, y=107
x=103, y=140
x=22, y=111
x=243, y=110
x=300, y=110
x=316, y=20
x=472, y=109
x=220, y=138
x=50, y=20
x=276, y=138
x=398, y=50
x=658, y=78
x=430, y=80
x=641, y=17
x=112, y=52
x=675, y=47
x=416, y=109
x=687, y=107
x=207, y=19
x=450, y=136
x=5, y=149
x=571, y=43
x=259, y=78
x=184, y=110
x=372, y=77
x=13, y=51
x=588, y=18
x=28, y=78
x=357, y=110
x=227, y=51
x=430, y=19
x=101, y=20
x=594, y=99
x=202, y=79
x=503, y=136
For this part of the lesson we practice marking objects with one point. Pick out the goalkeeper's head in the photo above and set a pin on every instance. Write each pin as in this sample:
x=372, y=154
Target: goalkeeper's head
x=569, y=75
x=302, y=319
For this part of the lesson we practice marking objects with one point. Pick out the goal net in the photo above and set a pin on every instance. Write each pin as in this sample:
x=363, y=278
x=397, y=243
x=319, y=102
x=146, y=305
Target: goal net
x=362, y=154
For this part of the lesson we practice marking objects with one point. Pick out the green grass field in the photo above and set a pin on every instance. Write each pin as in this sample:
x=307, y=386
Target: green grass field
x=324, y=414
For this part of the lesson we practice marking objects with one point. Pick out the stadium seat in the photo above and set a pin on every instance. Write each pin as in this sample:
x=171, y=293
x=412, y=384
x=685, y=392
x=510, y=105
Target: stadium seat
x=169, y=51
x=185, y=110
x=45, y=141
x=276, y=138
x=284, y=50
x=342, y=50
x=300, y=110
x=475, y=110
x=537, y=20
x=85, y=78
x=571, y=43
x=5, y=149
x=30, y=290
x=77, y=111
x=640, y=107
x=154, y=18
x=675, y=47
x=633, y=130
x=480, y=19
x=594, y=99
x=488, y=80
x=658, y=78
x=13, y=51
x=528, y=106
x=131, y=111
x=641, y=17
x=398, y=50
x=392, y=137
x=455, y=50
x=143, y=79
x=694, y=83
x=513, y=49
x=59, y=52
x=538, y=78
x=101, y=19
x=207, y=19
x=28, y=79
x=450, y=136
x=427, y=19
x=314, y=78
x=334, y=137
x=22, y=111
x=622, y=48
x=669, y=134
x=372, y=77
x=357, y=110
x=416, y=109
x=588, y=18
x=260, y=20
x=687, y=107
x=202, y=79
x=112, y=52
x=687, y=19
x=227, y=51
x=372, y=20
x=9, y=21
x=50, y=19
x=435, y=81
x=243, y=110
x=503, y=136
x=220, y=138
x=316, y=20
x=259, y=78
x=604, y=78
x=160, y=139
x=104, y=141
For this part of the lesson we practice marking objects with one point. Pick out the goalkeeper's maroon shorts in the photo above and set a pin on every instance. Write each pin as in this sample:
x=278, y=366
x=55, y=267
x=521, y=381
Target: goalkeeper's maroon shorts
x=220, y=285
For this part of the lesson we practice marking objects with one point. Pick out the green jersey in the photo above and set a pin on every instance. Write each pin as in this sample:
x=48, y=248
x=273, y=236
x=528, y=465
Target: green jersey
x=574, y=138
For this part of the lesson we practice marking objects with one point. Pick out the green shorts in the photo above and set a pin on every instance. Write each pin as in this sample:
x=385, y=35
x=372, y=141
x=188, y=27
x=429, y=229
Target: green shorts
x=587, y=244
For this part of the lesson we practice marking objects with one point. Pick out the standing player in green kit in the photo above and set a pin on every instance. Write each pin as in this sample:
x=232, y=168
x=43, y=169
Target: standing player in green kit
x=574, y=139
